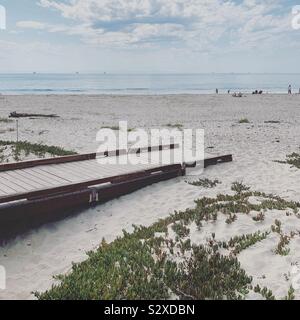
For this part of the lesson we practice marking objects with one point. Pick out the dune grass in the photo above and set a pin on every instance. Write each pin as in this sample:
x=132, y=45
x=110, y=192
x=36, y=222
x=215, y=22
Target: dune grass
x=239, y=187
x=27, y=148
x=292, y=159
x=116, y=128
x=244, y=120
x=152, y=263
x=205, y=183
x=175, y=126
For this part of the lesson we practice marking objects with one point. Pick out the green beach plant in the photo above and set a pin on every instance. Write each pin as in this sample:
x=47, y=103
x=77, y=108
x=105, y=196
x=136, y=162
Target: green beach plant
x=259, y=217
x=291, y=294
x=244, y=120
x=292, y=159
x=205, y=183
x=239, y=187
x=264, y=292
x=175, y=126
x=39, y=150
x=116, y=128
x=148, y=264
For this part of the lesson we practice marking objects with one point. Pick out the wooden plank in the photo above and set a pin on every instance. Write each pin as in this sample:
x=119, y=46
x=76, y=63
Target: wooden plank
x=63, y=169
x=2, y=192
x=48, y=176
x=59, y=173
x=76, y=172
x=7, y=189
x=23, y=181
x=12, y=186
x=96, y=167
x=109, y=168
x=99, y=169
x=77, y=168
x=11, y=176
x=31, y=178
x=38, y=176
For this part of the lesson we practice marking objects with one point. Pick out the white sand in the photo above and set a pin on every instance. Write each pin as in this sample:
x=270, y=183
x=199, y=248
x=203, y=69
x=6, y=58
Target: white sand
x=34, y=258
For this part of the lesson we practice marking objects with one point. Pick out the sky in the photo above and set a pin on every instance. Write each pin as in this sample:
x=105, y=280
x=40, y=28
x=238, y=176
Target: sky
x=150, y=36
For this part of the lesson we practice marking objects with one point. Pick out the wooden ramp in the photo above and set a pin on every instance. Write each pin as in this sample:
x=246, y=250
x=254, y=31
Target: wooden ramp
x=14, y=184
x=39, y=191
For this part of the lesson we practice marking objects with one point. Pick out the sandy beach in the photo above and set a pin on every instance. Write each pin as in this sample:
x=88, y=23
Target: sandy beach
x=272, y=133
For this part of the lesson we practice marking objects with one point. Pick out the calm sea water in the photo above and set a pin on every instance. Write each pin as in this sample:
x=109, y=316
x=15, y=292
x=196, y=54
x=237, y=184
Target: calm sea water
x=145, y=83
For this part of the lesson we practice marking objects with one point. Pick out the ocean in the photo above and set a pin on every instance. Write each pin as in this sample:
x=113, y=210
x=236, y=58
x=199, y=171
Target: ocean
x=122, y=84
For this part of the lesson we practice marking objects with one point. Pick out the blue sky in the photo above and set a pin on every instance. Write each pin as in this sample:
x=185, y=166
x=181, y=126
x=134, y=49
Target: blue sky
x=152, y=36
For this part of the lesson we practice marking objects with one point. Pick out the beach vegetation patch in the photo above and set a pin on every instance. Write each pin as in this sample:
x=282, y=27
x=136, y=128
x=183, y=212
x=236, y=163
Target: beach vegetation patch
x=239, y=243
x=180, y=229
x=205, y=183
x=154, y=263
x=24, y=148
x=281, y=248
x=116, y=128
x=239, y=187
x=259, y=217
x=175, y=126
x=264, y=292
x=291, y=294
x=244, y=120
x=231, y=218
x=292, y=159
x=284, y=239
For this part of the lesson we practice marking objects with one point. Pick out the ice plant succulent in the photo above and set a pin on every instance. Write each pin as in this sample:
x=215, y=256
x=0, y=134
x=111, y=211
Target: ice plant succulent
x=155, y=263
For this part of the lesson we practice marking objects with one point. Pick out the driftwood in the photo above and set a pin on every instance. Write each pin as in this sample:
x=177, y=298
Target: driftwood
x=272, y=121
x=30, y=115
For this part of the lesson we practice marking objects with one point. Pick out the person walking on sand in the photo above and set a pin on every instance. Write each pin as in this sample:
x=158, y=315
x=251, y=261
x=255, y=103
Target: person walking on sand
x=290, y=89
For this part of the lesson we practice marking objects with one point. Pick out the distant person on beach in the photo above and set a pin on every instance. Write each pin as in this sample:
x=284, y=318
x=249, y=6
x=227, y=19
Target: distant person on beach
x=217, y=91
x=229, y=91
x=290, y=89
x=257, y=92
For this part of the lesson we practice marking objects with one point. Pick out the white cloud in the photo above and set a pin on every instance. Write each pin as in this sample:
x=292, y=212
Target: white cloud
x=31, y=25
x=197, y=24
